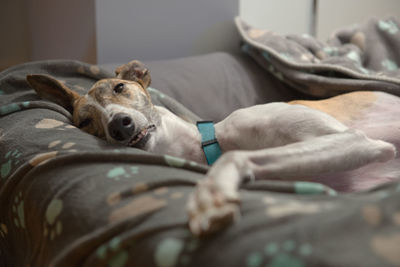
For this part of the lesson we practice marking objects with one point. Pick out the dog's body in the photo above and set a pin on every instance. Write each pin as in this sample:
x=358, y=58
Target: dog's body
x=376, y=114
x=337, y=141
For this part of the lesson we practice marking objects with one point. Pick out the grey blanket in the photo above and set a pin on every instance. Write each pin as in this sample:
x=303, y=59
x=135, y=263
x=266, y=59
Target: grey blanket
x=358, y=57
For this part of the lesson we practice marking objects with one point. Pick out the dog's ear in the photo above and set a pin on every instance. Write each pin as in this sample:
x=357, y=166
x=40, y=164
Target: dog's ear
x=49, y=88
x=134, y=71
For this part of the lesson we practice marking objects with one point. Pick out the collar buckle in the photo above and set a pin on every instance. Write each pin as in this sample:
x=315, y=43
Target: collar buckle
x=209, y=142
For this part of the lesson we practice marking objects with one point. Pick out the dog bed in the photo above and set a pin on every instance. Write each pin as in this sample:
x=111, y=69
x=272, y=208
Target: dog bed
x=70, y=199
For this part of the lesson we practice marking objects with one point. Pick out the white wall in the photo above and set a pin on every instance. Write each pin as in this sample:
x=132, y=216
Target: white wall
x=294, y=16
x=336, y=14
x=281, y=16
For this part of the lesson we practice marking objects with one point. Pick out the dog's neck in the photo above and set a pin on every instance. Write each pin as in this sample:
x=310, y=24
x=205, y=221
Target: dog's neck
x=176, y=137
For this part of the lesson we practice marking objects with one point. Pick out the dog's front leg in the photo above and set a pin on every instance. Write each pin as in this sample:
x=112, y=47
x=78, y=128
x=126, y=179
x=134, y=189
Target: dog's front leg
x=214, y=203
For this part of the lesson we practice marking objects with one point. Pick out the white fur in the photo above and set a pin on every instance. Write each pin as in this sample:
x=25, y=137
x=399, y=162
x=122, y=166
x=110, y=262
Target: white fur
x=271, y=141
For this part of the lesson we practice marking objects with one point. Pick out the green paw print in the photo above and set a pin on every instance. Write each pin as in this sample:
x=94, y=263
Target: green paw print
x=273, y=70
x=287, y=57
x=119, y=173
x=119, y=260
x=388, y=26
x=11, y=159
x=390, y=65
x=18, y=211
x=177, y=162
x=331, y=51
x=53, y=226
x=112, y=247
x=286, y=254
x=173, y=251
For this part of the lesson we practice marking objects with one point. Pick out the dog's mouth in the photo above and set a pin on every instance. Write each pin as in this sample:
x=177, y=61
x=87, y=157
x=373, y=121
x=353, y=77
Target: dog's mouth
x=141, y=138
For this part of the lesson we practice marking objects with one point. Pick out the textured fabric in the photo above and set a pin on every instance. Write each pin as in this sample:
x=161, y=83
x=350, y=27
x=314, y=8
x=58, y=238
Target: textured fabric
x=70, y=199
x=359, y=57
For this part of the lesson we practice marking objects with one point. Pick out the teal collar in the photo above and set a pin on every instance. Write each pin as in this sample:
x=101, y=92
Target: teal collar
x=209, y=142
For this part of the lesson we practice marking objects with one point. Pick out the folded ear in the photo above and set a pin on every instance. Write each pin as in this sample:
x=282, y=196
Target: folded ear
x=134, y=71
x=49, y=88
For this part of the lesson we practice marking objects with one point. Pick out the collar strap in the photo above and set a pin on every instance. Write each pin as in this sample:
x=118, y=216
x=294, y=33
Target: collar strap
x=209, y=142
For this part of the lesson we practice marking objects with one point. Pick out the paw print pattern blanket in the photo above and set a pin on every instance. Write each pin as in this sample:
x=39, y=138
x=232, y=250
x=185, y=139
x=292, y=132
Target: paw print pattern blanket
x=70, y=199
x=358, y=57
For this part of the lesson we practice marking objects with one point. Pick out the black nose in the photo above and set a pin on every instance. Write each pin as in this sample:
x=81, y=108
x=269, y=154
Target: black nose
x=121, y=127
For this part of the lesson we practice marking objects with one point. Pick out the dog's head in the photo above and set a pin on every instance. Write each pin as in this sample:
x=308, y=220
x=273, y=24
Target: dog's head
x=117, y=109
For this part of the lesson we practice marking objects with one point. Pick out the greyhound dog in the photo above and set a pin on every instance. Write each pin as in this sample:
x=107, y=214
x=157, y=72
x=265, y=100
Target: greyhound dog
x=348, y=142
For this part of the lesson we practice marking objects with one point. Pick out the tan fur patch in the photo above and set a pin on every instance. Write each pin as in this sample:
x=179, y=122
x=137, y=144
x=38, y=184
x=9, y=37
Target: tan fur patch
x=91, y=107
x=83, y=109
x=82, y=101
x=345, y=108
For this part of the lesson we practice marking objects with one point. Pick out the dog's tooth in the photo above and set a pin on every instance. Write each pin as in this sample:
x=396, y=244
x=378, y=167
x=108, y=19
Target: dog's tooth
x=139, y=136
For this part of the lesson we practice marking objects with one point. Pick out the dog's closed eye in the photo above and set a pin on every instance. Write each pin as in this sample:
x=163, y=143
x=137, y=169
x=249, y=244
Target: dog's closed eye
x=118, y=88
x=84, y=123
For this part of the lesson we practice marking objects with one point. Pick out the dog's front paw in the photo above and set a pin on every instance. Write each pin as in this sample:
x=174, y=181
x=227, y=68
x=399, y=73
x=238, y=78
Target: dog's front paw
x=210, y=209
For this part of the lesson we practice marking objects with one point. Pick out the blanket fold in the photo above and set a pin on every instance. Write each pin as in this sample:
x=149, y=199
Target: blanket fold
x=358, y=57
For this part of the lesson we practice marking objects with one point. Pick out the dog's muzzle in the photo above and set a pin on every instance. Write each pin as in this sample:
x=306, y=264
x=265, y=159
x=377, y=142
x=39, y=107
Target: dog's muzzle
x=121, y=127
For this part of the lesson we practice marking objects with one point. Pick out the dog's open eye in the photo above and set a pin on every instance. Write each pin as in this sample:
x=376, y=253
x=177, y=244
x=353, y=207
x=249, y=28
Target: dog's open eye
x=119, y=88
x=85, y=122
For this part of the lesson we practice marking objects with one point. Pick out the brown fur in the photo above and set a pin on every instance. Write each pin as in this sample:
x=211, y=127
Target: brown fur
x=133, y=75
x=344, y=108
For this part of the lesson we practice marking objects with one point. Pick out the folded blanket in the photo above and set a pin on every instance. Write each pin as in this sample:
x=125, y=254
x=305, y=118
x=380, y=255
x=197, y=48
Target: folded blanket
x=358, y=57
